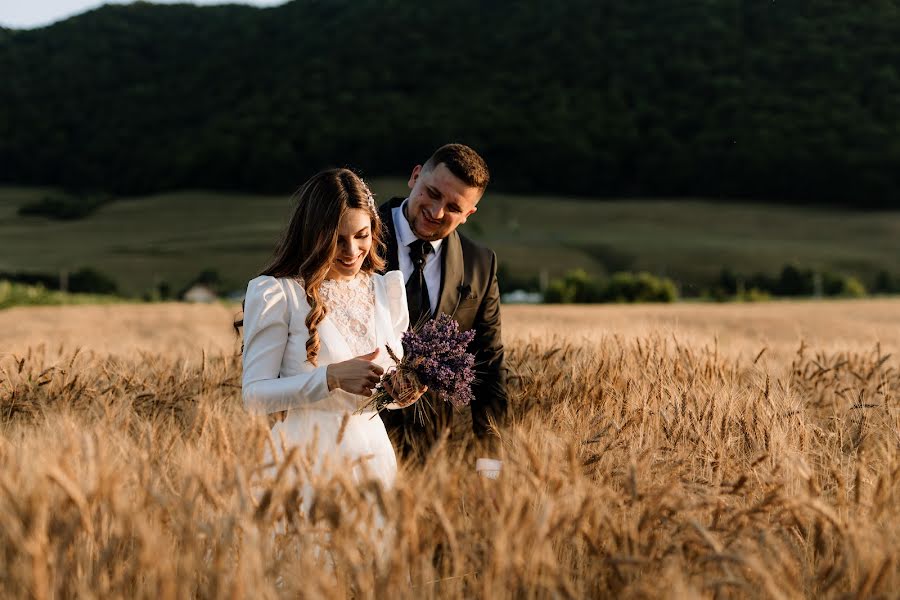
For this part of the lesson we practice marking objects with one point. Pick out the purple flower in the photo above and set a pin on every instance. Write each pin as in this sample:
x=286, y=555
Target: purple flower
x=436, y=352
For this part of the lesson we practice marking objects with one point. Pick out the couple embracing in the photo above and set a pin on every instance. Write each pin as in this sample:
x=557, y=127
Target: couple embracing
x=347, y=280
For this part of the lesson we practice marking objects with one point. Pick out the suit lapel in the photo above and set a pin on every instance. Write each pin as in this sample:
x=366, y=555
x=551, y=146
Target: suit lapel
x=452, y=273
x=386, y=212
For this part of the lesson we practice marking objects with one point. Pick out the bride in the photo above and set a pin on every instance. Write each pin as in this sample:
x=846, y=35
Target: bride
x=316, y=323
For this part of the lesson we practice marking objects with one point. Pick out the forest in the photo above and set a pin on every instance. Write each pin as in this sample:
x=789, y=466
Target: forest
x=788, y=102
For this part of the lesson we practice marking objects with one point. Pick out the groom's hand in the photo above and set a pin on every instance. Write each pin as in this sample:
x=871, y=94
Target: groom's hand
x=357, y=375
x=403, y=387
x=489, y=449
x=489, y=467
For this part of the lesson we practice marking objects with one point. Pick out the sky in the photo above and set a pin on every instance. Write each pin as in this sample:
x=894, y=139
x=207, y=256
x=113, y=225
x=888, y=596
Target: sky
x=26, y=14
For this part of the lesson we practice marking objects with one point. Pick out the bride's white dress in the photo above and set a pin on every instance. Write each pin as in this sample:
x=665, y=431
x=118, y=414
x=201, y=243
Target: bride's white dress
x=363, y=314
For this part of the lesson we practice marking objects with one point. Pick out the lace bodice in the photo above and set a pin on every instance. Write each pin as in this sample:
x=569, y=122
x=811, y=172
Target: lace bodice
x=351, y=307
x=277, y=376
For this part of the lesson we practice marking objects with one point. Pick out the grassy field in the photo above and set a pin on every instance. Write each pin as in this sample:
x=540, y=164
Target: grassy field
x=14, y=294
x=172, y=237
x=688, y=451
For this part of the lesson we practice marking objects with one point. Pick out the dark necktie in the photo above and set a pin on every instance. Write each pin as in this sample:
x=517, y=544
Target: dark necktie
x=416, y=288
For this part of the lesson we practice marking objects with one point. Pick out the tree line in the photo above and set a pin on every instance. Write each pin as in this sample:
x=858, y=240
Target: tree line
x=783, y=101
x=793, y=281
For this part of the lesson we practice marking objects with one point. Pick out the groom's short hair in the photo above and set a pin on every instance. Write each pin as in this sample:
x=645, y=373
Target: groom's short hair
x=463, y=162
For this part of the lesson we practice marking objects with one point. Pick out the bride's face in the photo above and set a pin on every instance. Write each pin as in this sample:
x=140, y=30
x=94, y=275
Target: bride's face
x=353, y=245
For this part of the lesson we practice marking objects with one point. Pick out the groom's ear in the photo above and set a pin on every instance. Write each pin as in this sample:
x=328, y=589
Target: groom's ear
x=417, y=170
x=469, y=214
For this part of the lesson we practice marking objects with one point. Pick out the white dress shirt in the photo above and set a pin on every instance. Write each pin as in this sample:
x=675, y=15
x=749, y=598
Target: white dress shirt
x=405, y=237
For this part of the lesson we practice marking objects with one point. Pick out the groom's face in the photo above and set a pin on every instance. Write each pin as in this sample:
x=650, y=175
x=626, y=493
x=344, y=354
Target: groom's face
x=439, y=202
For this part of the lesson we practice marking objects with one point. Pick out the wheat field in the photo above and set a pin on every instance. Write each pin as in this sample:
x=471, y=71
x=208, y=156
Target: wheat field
x=687, y=451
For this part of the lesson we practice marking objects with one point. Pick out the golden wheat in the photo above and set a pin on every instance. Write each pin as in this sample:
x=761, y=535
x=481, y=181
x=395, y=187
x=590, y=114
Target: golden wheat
x=688, y=451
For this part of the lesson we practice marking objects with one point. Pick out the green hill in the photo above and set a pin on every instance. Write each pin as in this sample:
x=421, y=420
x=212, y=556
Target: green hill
x=791, y=101
x=172, y=237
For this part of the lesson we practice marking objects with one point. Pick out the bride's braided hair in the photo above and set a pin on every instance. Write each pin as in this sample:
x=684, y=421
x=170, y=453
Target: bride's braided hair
x=309, y=244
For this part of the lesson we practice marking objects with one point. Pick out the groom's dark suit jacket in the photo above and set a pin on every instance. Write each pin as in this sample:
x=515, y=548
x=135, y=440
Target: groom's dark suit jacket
x=470, y=294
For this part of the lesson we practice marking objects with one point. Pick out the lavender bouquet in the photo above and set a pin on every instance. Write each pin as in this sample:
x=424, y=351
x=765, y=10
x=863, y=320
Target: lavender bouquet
x=434, y=353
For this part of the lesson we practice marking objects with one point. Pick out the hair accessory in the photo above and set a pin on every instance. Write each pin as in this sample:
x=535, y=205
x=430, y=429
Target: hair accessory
x=370, y=199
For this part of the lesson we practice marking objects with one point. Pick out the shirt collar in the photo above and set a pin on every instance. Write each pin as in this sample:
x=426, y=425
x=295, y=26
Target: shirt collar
x=405, y=232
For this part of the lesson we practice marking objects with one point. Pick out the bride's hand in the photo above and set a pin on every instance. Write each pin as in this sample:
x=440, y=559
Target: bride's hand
x=404, y=388
x=357, y=375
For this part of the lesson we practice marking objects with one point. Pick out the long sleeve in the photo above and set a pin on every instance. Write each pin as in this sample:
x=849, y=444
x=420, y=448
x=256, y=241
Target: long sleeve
x=490, y=391
x=267, y=315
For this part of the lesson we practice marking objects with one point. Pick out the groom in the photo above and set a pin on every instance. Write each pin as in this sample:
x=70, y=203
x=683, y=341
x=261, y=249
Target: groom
x=448, y=273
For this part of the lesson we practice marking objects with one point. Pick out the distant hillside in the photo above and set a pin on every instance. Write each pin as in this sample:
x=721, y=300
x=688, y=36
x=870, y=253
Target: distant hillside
x=173, y=237
x=794, y=100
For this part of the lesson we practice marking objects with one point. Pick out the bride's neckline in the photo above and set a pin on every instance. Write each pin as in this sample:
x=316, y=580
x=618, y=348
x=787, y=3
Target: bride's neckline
x=358, y=278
